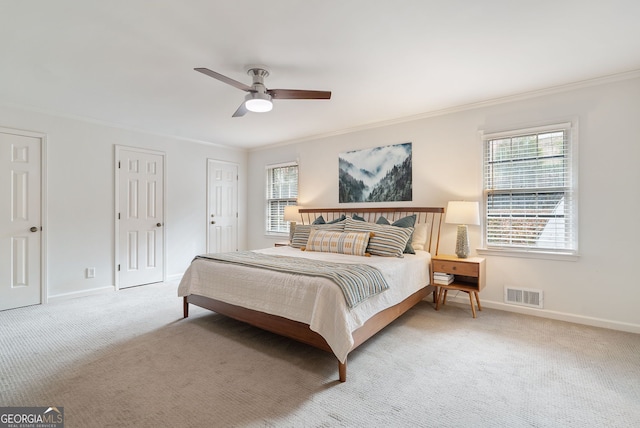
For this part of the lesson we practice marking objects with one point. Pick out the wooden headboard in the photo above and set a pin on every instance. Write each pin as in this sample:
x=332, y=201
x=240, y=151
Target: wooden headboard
x=433, y=216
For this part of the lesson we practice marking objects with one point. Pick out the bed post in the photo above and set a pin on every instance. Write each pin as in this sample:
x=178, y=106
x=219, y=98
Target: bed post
x=342, y=370
x=185, y=307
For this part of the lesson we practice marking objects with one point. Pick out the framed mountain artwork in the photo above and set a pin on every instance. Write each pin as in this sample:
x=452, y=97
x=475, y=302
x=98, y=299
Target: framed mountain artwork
x=380, y=174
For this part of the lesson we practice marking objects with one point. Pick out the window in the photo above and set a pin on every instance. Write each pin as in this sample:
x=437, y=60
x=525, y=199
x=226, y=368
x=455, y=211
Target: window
x=282, y=190
x=530, y=190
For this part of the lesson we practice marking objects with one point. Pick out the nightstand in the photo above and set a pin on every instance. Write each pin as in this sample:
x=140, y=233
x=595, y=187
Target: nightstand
x=469, y=276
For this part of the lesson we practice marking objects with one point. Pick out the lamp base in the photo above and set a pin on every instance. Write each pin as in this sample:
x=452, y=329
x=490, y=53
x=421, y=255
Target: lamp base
x=292, y=229
x=462, y=242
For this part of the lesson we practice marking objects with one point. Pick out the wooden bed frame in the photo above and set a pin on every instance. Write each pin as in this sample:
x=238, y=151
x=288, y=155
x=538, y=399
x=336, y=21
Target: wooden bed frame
x=301, y=331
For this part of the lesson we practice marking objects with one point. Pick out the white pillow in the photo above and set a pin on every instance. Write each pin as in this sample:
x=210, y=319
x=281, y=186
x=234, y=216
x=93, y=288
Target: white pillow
x=420, y=235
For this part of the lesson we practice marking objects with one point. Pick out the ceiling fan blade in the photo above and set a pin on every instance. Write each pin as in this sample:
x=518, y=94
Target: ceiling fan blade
x=298, y=94
x=225, y=79
x=242, y=110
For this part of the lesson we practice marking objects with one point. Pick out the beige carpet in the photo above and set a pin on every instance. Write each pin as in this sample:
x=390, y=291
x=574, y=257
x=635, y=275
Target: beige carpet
x=129, y=359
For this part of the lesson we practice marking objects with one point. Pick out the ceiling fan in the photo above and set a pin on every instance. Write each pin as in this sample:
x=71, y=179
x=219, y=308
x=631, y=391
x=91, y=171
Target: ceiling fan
x=259, y=98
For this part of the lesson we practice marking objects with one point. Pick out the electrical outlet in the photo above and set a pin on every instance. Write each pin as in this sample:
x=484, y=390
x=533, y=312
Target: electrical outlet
x=91, y=272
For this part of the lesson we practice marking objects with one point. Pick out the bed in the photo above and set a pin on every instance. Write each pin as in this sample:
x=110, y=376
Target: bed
x=319, y=310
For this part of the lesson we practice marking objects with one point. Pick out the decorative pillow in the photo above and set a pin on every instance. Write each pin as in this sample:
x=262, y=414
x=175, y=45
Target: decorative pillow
x=388, y=241
x=337, y=220
x=357, y=217
x=408, y=221
x=320, y=220
x=301, y=233
x=420, y=235
x=352, y=243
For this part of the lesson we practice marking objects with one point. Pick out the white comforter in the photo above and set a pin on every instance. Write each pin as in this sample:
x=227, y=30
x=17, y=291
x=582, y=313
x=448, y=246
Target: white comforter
x=315, y=301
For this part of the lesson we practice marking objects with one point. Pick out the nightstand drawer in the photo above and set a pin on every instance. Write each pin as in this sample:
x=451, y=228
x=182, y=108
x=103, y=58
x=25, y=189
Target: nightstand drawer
x=456, y=268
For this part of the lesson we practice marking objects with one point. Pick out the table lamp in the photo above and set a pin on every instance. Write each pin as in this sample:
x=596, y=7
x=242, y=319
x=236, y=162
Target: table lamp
x=463, y=213
x=291, y=215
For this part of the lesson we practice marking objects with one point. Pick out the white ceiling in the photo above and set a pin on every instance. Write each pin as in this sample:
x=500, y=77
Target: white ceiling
x=130, y=63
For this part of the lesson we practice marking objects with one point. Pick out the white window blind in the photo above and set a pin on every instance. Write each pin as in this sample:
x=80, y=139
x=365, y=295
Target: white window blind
x=529, y=189
x=282, y=190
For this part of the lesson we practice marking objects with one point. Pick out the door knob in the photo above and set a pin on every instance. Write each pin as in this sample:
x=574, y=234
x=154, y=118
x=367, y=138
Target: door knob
x=213, y=222
x=159, y=224
x=34, y=229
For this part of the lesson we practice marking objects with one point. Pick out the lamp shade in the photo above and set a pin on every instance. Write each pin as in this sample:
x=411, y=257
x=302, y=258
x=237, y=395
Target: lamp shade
x=291, y=213
x=463, y=212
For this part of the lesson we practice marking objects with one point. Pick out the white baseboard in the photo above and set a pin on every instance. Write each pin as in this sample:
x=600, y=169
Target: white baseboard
x=544, y=313
x=74, y=294
x=107, y=289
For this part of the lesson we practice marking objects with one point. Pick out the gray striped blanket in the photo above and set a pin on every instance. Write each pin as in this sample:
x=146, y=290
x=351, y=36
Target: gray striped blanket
x=357, y=281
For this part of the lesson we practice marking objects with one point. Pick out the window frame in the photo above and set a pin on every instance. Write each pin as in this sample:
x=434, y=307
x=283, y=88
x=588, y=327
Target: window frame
x=570, y=190
x=284, y=200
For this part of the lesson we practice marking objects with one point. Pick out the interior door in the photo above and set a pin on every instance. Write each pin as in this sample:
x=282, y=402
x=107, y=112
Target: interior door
x=140, y=228
x=222, y=203
x=20, y=219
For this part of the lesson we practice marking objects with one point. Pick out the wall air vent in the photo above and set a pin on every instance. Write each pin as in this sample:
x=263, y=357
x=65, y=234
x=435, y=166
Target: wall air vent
x=523, y=297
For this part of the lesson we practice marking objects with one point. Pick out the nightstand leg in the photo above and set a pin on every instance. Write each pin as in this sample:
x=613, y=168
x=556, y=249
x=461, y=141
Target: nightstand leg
x=475, y=293
x=440, y=289
x=444, y=296
x=473, y=306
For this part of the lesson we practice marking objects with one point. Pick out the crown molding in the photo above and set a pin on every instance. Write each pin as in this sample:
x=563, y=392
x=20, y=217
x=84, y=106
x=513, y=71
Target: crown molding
x=108, y=124
x=602, y=80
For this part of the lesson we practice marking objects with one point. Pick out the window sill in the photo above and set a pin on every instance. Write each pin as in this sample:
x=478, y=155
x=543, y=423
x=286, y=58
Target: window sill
x=276, y=235
x=529, y=254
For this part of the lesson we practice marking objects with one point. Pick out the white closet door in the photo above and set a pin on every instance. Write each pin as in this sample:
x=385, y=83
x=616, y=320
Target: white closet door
x=20, y=220
x=222, y=200
x=141, y=217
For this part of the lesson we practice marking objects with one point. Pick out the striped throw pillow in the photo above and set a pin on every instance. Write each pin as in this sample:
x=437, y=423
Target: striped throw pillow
x=352, y=243
x=388, y=241
x=301, y=232
x=408, y=221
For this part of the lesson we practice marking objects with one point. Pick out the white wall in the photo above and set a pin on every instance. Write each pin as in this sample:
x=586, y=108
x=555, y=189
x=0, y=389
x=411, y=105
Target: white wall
x=601, y=288
x=80, y=195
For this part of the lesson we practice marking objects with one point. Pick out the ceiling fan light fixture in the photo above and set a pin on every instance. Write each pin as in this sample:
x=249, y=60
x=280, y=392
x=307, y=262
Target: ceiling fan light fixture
x=258, y=103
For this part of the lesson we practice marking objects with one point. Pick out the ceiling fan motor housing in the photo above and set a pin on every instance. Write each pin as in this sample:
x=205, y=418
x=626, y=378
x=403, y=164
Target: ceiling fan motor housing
x=258, y=75
x=258, y=101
